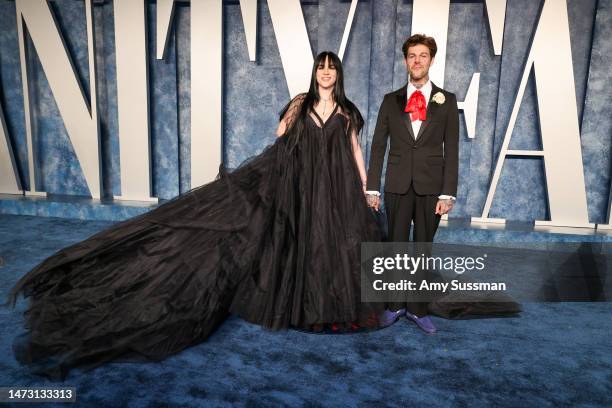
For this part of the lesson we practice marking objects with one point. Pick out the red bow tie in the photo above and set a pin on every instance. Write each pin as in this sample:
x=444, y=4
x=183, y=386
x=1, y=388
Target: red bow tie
x=416, y=106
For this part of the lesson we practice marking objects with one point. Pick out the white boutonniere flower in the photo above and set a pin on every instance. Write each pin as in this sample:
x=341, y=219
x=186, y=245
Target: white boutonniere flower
x=439, y=98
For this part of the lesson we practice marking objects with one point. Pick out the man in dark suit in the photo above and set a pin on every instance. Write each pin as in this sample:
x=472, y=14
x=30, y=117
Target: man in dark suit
x=421, y=122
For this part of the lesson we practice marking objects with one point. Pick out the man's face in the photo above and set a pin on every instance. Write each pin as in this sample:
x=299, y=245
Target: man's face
x=418, y=60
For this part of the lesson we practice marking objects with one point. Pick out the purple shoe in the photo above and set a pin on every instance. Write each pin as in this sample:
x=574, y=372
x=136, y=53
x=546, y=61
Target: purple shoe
x=424, y=323
x=388, y=317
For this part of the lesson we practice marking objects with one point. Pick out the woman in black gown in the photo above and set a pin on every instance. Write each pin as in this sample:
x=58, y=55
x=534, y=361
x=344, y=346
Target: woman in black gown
x=276, y=241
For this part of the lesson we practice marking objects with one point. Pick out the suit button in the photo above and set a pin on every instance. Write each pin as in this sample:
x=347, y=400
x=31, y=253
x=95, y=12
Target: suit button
x=414, y=147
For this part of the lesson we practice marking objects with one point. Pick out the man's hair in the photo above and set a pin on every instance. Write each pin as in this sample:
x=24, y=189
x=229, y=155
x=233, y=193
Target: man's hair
x=416, y=39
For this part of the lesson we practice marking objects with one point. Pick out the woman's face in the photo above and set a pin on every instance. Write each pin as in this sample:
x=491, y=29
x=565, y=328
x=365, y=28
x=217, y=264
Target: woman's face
x=326, y=74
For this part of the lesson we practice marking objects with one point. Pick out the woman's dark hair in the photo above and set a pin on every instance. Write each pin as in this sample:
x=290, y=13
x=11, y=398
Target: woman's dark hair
x=312, y=96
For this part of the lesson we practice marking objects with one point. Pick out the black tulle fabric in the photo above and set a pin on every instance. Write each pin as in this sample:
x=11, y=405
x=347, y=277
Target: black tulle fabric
x=276, y=241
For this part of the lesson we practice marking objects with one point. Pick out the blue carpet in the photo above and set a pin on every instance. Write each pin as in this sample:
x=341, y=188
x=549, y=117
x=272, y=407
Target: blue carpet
x=554, y=354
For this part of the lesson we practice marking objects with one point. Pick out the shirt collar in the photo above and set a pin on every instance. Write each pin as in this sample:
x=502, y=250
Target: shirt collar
x=425, y=89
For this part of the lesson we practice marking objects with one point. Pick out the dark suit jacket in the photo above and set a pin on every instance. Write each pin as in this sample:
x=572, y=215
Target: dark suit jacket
x=430, y=163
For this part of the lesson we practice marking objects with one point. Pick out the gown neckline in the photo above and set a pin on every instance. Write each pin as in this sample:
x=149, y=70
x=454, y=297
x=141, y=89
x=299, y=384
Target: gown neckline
x=323, y=123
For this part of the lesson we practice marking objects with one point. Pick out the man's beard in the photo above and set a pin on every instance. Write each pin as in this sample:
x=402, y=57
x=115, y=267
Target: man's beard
x=418, y=77
x=413, y=78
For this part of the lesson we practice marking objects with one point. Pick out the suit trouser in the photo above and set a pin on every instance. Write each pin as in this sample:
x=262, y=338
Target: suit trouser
x=402, y=211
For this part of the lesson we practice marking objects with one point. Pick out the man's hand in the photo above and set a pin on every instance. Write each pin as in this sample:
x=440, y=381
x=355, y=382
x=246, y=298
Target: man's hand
x=373, y=201
x=444, y=206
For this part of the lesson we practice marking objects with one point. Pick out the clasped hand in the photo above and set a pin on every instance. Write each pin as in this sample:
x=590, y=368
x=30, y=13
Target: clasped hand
x=373, y=201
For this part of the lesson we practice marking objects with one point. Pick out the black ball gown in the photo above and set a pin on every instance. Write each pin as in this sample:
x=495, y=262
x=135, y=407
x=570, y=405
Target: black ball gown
x=276, y=241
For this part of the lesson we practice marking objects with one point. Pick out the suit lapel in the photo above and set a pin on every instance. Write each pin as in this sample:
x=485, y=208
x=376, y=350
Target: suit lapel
x=402, y=99
x=432, y=109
